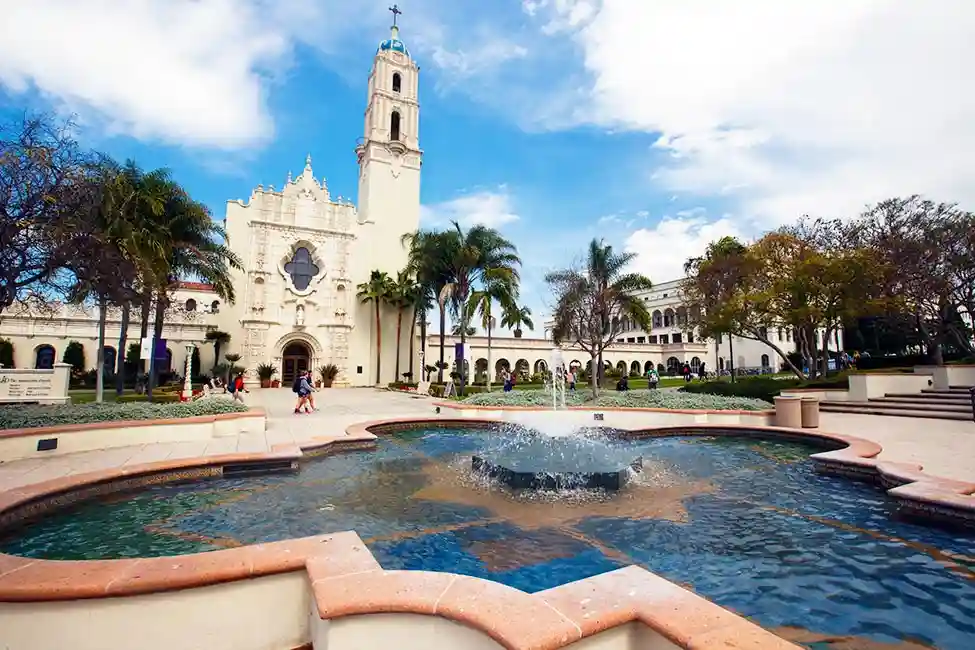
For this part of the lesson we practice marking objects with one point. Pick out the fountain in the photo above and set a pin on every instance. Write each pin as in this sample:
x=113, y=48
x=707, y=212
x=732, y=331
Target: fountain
x=531, y=459
x=558, y=378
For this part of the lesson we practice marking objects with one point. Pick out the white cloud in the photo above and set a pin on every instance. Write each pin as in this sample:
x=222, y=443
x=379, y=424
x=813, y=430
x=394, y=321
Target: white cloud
x=185, y=71
x=493, y=208
x=788, y=107
x=663, y=249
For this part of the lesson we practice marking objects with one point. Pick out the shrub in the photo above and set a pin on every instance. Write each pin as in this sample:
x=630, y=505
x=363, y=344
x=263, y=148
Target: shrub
x=763, y=388
x=32, y=416
x=158, y=397
x=628, y=399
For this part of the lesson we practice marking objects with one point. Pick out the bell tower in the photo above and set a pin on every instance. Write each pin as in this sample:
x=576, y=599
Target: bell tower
x=389, y=154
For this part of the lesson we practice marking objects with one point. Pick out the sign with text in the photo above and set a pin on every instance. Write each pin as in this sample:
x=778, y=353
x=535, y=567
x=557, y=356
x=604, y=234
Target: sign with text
x=28, y=385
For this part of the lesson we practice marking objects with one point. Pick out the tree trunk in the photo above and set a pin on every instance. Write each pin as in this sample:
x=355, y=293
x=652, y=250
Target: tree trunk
x=413, y=346
x=461, y=370
x=593, y=378
x=423, y=347
x=379, y=347
x=144, y=324
x=120, y=355
x=399, y=337
x=489, y=353
x=100, y=355
x=731, y=355
x=216, y=353
x=443, y=326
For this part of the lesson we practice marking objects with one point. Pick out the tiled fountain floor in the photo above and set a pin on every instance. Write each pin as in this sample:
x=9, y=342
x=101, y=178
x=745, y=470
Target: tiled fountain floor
x=943, y=448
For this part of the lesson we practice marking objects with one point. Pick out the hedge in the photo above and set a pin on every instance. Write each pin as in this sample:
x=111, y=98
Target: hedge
x=625, y=399
x=762, y=388
x=33, y=416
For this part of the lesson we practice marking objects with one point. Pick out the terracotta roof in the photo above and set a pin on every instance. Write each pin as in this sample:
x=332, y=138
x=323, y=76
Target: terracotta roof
x=196, y=286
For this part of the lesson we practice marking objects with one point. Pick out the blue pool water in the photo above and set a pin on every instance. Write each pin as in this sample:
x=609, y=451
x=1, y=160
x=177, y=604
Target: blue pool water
x=747, y=524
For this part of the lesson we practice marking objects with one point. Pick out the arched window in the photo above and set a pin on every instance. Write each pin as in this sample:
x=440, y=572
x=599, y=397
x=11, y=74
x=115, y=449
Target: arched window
x=215, y=306
x=669, y=318
x=44, y=357
x=765, y=362
x=394, y=126
x=397, y=82
x=658, y=319
x=109, y=357
x=190, y=305
x=695, y=364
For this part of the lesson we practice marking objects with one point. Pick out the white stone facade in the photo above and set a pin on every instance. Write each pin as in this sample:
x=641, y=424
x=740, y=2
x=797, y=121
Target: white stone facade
x=304, y=255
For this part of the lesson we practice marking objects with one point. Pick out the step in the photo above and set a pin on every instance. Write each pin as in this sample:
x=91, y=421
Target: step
x=865, y=408
x=951, y=390
x=919, y=404
x=928, y=399
x=932, y=397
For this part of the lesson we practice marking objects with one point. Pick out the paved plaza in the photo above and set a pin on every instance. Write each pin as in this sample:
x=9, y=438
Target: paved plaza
x=943, y=448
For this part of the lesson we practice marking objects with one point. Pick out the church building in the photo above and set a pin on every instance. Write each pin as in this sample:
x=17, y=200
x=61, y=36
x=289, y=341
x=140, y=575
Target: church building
x=304, y=253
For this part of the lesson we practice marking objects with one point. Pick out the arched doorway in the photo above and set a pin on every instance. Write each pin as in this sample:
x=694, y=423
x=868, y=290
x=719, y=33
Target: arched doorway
x=296, y=358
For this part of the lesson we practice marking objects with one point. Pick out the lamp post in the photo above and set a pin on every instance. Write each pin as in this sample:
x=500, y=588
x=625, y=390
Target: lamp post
x=187, y=379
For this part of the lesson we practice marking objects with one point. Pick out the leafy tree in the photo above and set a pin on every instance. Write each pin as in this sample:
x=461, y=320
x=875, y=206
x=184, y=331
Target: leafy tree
x=74, y=355
x=514, y=317
x=378, y=290
x=929, y=247
x=592, y=302
x=457, y=329
x=43, y=188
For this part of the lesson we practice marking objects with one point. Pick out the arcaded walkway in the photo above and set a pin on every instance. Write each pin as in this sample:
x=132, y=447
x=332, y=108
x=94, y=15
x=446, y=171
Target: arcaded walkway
x=943, y=448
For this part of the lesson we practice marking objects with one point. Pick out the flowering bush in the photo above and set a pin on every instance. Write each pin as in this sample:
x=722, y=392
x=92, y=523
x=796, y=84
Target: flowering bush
x=630, y=399
x=30, y=417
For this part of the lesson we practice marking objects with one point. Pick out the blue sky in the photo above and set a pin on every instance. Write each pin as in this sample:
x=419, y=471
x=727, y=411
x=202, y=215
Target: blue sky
x=656, y=125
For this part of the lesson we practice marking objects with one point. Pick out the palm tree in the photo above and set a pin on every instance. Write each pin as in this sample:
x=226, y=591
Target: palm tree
x=378, y=290
x=593, y=300
x=482, y=255
x=481, y=302
x=402, y=296
x=429, y=251
x=140, y=200
x=218, y=339
x=458, y=330
x=514, y=317
x=422, y=304
x=195, y=246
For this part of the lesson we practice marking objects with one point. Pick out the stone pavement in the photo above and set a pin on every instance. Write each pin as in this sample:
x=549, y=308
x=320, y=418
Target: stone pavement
x=943, y=448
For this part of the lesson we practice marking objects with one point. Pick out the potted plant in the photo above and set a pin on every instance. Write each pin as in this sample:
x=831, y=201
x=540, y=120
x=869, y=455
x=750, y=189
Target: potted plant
x=328, y=373
x=275, y=383
x=265, y=372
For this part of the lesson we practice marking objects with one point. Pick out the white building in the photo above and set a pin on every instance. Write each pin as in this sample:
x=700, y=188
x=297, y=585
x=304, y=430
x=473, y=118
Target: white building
x=304, y=254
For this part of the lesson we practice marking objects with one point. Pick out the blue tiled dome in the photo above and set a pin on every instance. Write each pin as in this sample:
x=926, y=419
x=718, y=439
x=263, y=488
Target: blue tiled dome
x=395, y=45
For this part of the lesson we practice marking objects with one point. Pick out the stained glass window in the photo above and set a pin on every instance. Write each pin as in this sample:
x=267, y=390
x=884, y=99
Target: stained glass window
x=301, y=268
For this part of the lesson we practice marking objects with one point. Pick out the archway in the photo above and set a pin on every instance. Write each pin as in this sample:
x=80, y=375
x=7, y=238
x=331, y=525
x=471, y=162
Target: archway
x=44, y=357
x=621, y=368
x=766, y=363
x=695, y=364
x=673, y=366
x=635, y=368
x=540, y=366
x=480, y=370
x=522, y=368
x=295, y=359
x=500, y=366
x=647, y=367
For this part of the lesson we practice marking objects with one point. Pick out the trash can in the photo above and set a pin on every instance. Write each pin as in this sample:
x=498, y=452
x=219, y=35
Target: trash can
x=788, y=412
x=810, y=412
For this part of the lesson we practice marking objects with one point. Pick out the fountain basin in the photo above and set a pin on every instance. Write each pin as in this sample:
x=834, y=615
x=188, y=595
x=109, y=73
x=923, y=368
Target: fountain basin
x=544, y=463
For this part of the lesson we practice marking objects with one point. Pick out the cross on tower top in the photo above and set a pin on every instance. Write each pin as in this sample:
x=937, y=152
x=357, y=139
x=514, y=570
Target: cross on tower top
x=396, y=12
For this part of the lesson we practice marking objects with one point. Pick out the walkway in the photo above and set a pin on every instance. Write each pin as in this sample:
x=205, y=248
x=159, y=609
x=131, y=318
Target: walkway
x=944, y=448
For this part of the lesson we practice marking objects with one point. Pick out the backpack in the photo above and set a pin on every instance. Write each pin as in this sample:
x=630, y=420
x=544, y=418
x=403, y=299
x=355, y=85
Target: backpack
x=297, y=385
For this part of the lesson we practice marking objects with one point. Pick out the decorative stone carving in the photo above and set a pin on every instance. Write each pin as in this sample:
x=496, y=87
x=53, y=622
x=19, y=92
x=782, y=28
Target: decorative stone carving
x=300, y=315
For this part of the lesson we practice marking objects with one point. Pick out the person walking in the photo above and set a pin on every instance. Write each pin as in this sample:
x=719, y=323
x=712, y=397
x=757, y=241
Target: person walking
x=304, y=392
x=652, y=379
x=238, y=388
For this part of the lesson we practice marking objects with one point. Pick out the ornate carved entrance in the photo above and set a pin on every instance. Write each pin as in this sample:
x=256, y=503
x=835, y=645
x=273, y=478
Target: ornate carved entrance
x=296, y=358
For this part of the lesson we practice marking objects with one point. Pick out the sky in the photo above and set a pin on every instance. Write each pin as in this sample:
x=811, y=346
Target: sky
x=656, y=125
